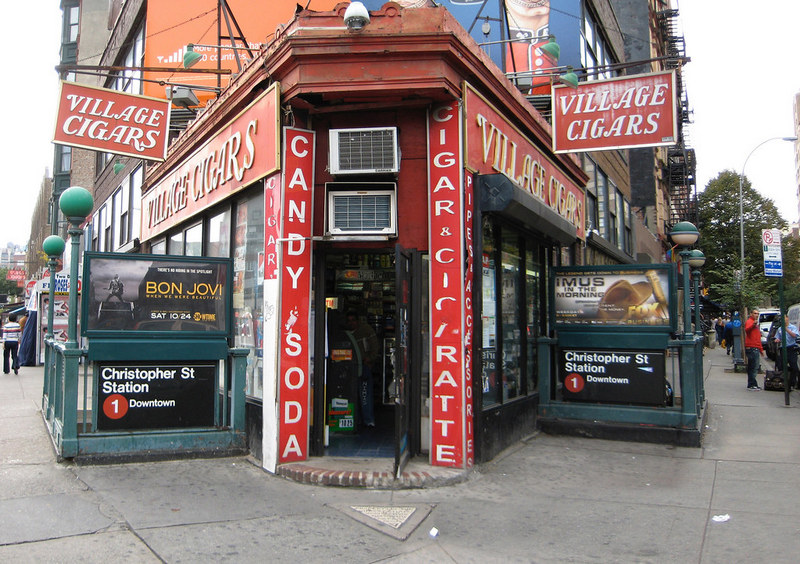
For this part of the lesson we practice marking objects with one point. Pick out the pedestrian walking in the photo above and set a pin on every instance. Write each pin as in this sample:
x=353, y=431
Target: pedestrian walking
x=11, y=334
x=753, y=349
x=719, y=328
x=728, y=335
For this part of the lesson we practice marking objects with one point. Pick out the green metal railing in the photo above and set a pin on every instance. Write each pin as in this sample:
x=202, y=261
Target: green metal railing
x=69, y=405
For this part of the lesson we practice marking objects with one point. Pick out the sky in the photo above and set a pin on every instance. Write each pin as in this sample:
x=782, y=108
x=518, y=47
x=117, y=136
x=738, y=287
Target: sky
x=29, y=99
x=741, y=82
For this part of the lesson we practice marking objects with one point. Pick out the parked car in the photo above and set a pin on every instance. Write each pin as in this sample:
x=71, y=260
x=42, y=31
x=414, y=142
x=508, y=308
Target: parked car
x=765, y=319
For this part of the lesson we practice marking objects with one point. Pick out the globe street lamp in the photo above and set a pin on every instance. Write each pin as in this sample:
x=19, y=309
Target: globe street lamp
x=741, y=209
x=53, y=247
x=76, y=203
x=696, y=260
x=685, y=234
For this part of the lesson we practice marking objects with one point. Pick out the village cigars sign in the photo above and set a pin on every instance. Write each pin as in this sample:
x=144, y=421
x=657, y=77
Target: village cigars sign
x=451, y=392
x=110, y=121
x=624, y=112
x=495, y=145
x=241, y=152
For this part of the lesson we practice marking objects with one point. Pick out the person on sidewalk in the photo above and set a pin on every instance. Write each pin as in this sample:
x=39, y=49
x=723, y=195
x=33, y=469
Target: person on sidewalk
x=753, y=349
x=791, y=351
x=728, y=335
x=11, y=333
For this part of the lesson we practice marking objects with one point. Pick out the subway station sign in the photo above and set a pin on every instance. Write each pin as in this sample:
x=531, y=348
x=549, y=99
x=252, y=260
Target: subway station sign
x=155, y=395
x=613, y=376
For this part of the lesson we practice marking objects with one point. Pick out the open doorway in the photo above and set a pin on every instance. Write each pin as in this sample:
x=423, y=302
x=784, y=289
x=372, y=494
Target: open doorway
x=360, y=388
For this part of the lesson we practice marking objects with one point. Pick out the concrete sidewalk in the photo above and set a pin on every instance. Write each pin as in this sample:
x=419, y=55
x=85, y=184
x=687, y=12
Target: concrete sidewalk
x=547, y=499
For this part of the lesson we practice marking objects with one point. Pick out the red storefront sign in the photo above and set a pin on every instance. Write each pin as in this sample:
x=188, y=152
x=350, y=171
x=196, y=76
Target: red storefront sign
x=469, y=239
x=295, y=301
x=495, y=145
x=112, y=121
x=15, y=275
x=446, y=245
x=630, y=111
x=272, y=225
x=242, y=152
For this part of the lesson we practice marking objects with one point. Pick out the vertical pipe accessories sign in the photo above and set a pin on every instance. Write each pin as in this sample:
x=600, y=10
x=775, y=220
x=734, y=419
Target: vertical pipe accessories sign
x=111, y=121
x=295, y=300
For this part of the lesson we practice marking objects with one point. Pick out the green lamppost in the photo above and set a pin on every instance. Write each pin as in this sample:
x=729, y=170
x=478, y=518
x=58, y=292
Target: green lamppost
x=696, y=260
x=53, y=247
x=76, y=203
x=685, y=234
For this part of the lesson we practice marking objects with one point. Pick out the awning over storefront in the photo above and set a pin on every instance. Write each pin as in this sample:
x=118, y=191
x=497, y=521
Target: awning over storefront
x=499, y=194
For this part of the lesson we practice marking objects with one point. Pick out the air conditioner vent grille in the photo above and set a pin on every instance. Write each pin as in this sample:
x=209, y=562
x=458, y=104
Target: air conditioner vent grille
x=364, y=150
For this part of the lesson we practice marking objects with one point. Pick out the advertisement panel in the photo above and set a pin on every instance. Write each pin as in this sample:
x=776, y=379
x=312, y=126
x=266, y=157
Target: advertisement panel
x=623, y=112
x=618, y=376
x=155, y=293
x=15, y=275
x=636, y=295
x=446, y=243
x=113, y=122
x=155, y=395
x=495, y=145
x=240, y=153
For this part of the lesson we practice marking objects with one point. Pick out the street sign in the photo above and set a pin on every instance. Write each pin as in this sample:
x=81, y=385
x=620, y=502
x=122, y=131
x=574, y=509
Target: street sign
x=773, y=258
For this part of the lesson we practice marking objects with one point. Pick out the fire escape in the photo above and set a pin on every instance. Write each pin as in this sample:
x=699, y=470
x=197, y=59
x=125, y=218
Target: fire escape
x=681, y=164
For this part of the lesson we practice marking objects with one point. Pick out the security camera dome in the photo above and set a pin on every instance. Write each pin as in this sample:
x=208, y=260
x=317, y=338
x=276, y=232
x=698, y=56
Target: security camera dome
x=356, y=16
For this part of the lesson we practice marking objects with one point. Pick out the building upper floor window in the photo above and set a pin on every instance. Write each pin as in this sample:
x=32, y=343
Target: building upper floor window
x=71, y=23
x=594, y=49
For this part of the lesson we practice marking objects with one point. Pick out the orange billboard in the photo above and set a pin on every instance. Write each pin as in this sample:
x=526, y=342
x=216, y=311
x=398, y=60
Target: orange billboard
x=172, y=25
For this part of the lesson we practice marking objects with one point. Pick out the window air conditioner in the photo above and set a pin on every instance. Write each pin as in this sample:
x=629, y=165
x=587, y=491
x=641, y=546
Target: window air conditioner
x=361, y=210
x=364, y=151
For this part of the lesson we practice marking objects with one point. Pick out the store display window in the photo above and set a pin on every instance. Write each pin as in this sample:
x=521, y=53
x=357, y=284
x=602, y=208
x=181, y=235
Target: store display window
x=511, y=312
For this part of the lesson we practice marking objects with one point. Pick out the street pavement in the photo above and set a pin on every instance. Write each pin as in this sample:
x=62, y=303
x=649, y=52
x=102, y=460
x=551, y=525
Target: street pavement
x=547, y=499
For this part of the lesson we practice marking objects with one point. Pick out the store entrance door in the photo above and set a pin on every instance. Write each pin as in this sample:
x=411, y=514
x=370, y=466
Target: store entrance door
x=400, y=390
x=360, y=336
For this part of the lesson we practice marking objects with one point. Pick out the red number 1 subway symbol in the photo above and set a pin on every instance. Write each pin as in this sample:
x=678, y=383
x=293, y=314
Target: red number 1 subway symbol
x=574, y=382
x=115, y=406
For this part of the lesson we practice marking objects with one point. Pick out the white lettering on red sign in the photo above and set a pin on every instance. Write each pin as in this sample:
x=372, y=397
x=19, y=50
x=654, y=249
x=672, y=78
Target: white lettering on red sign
x=295, y=280
x=446, y=244
x=495, y=145
x=112, y=121
x=469, y=210
x=272, y=225
x=238, y=155
x=630, y=111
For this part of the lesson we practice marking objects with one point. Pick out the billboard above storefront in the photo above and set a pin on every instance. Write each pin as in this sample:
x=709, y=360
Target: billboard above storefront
x=172, y=25
x=113, y=122
x=620, y=113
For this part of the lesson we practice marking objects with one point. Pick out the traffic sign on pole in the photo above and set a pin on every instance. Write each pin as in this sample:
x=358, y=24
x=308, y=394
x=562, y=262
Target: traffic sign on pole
x=773, y=258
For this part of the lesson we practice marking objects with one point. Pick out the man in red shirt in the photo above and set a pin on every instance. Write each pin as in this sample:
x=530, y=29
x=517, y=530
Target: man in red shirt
x=752, y=349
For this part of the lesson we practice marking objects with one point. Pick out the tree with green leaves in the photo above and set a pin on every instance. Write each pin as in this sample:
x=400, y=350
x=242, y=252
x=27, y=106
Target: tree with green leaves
x=719, y=226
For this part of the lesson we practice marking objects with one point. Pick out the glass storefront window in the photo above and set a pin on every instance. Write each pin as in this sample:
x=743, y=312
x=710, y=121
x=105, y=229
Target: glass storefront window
x=489, y=377
x=248, y=287
x=175, y=244
x=194, y=241
x=219, y=235
x=512, y=312
x=510, y=300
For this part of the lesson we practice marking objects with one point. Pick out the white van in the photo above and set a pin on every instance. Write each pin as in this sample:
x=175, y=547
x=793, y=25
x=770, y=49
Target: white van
x=765, y=319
